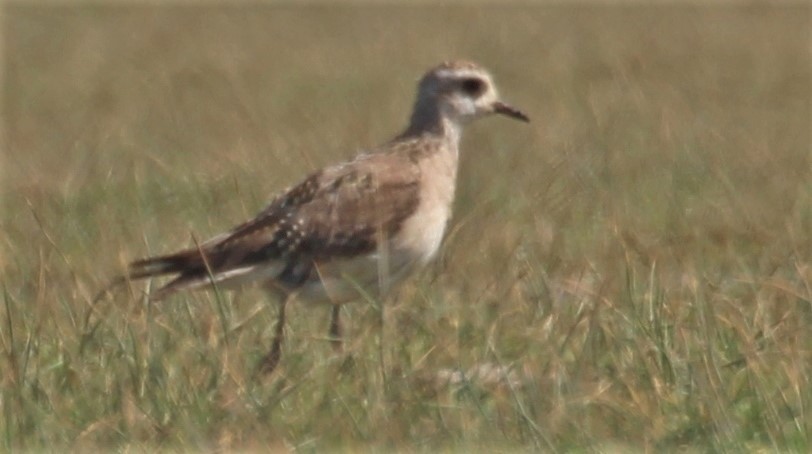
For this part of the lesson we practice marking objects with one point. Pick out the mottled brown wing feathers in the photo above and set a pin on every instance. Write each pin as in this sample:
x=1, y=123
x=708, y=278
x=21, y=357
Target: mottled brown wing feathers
x=338, y=212
x=288, y=201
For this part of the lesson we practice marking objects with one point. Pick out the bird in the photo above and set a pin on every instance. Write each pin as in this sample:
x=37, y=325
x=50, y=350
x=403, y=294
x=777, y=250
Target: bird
x=361, y=225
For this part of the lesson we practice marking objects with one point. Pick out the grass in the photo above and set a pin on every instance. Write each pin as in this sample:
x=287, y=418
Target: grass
x=633, y=271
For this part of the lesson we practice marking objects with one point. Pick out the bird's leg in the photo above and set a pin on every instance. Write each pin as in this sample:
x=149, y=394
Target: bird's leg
x=335, y=329
x=272, y=358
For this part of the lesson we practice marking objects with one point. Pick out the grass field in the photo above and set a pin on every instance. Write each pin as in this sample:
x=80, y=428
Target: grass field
x=631, y=271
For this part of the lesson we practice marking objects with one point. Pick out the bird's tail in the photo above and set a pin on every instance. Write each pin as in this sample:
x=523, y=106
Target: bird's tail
x=179, y=262
x=188, y=261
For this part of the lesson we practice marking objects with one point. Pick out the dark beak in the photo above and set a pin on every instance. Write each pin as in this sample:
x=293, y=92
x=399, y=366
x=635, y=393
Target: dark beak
x=510, y=111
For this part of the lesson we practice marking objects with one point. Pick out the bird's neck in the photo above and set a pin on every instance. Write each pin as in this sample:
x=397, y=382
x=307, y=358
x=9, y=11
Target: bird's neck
x=427, y=119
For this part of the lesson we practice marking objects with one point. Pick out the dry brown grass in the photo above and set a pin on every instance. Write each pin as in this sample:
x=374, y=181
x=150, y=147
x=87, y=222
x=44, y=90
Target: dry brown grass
x=634, y=270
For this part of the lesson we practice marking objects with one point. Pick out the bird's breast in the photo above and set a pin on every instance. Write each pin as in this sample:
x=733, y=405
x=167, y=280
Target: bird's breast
x=422, y=233
x=420, y=236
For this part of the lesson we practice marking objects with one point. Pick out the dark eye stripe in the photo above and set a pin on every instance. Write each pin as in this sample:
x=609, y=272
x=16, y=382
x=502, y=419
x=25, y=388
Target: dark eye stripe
x=473, y=86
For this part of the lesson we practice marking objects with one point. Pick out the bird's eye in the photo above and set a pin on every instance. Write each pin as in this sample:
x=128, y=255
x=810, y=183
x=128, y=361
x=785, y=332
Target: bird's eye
x=473, y=86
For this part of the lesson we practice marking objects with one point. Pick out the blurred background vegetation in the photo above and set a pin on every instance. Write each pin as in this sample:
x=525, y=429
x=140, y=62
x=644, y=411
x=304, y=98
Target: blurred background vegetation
x=633, y=270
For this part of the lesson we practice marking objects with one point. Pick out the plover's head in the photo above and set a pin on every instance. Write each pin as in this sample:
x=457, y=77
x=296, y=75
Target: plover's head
x=461, y=91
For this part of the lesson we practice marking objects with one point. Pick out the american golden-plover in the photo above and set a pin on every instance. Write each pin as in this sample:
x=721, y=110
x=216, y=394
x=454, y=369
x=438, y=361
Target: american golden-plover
x=363, y=224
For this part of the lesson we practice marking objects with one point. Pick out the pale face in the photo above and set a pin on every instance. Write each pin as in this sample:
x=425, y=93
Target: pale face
x=466, y=94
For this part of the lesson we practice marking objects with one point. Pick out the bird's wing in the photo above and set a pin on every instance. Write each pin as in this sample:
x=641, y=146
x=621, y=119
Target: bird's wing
x=341, y=211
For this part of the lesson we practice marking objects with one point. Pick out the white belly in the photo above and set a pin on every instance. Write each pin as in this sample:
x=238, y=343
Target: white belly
x=421, y=235
x=368, y=276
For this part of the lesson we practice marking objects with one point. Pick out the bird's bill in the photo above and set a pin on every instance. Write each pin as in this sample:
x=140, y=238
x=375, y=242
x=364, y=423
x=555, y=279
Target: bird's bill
x=510, y=111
